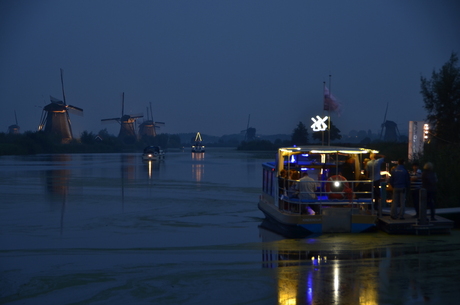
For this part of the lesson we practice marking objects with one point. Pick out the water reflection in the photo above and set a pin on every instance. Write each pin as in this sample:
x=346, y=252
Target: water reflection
x=128, y=166
x=57, y=179
x=197, y=168
x=57, y=182
x=152, y=167
x=313, y=272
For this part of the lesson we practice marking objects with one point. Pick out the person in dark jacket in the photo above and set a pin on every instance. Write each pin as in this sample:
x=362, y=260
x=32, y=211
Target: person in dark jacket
x=415, y=186
x=429, y=181
x=400, y=181
x=348, y=169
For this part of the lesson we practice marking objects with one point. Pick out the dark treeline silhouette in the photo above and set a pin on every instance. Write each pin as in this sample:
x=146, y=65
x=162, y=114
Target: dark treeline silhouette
x=41, y=143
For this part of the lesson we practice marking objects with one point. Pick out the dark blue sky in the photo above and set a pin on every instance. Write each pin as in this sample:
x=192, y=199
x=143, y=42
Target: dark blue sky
x=206, y=65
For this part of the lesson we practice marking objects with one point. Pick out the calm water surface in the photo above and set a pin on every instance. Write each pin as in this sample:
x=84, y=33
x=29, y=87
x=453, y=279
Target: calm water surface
x=112, y=229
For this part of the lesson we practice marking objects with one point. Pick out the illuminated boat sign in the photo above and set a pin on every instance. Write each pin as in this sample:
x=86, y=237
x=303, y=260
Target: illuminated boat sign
x=319, y=124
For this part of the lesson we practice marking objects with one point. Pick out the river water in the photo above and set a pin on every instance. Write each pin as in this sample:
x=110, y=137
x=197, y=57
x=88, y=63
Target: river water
x=112, y=229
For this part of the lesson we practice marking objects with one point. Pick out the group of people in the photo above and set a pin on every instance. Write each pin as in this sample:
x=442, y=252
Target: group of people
x=402, y=181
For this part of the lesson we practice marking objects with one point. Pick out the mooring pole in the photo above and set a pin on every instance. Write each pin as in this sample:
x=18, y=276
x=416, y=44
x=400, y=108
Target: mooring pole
x=383, y=197
x=422, y=207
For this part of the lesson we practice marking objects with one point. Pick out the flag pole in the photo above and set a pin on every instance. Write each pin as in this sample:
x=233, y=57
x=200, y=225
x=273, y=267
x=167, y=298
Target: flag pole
x=329, y=114
x=322, y=132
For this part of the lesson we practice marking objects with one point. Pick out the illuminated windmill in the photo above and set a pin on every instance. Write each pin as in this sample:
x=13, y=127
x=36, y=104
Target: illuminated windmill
x=14, y=129
x=55, y=118
x=148, y=128
x=127, y=130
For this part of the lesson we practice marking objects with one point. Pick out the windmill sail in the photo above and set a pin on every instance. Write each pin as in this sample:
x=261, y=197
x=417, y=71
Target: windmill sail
x=127, y=130
x=384, y=120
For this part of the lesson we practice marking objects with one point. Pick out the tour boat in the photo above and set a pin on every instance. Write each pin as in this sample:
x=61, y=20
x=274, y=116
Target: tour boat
x=198, y=145
x=333, y=202
x=153, y=153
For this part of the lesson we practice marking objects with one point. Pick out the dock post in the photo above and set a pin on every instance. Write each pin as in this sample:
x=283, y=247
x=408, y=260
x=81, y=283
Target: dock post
x=422, y=220
x=383, y=197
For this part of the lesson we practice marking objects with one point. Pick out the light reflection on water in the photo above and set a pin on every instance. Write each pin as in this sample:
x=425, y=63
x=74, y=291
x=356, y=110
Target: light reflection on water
x=372, y=268
x=110, y=228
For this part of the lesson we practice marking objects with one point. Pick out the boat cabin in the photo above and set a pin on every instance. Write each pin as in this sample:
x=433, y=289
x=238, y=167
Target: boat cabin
x=306, y=184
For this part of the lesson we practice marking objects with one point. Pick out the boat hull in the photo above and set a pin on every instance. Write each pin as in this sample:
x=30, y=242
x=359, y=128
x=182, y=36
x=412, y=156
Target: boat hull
x=198, y=149
x=332, y=220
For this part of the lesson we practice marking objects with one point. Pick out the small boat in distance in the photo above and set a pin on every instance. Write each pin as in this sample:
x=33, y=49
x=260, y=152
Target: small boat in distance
x=153, y=153
x=198, y=145
x=323, y=202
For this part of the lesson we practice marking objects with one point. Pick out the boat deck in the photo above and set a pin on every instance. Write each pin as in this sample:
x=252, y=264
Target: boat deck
x=411, y=225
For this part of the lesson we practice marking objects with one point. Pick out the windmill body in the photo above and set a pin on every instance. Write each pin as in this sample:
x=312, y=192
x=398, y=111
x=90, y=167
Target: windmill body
x=391, y=131
x=127, y=126
x=14, y=129
x=55, y=121
x=147, y=129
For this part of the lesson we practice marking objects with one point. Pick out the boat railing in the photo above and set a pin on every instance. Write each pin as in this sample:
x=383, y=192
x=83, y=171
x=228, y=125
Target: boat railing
x=356, y=194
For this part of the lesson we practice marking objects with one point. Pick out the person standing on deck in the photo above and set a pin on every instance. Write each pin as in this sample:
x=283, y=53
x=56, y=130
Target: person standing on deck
x=373, y=168
x=429, y=181
x=306, y=188
x=348, y=169
x=400, y=181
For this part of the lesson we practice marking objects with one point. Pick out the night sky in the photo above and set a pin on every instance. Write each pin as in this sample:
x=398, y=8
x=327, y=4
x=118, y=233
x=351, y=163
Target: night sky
x=207, y=65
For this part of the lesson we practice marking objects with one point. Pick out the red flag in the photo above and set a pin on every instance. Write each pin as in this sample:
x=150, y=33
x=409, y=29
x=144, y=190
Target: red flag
x=331, y=103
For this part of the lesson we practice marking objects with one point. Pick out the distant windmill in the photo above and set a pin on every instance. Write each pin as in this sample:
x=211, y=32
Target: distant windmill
x=127, y=130
x=391, y=129
x=384, y=120
x=148, y=128
x=55, y=117
x=14, y=129
x=249, y=132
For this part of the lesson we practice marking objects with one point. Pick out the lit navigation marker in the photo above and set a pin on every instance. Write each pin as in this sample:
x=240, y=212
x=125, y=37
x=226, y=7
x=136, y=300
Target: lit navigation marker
x=319, y=124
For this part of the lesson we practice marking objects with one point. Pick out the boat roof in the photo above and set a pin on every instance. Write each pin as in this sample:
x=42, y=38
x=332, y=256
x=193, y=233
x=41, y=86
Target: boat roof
x=318, y=149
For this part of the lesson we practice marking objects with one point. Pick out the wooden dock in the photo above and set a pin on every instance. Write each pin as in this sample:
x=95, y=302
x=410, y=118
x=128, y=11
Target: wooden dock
x=411, y=225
